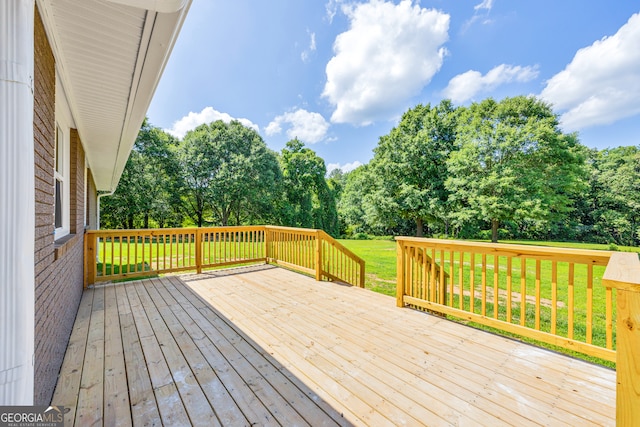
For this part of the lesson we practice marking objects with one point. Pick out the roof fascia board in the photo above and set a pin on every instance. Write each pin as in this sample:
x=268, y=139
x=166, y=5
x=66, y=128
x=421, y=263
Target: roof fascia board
x=165, y=30
x=160, y=6
x=156, y=43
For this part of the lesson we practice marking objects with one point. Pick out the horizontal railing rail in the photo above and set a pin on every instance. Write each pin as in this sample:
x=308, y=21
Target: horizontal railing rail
x=553, y=295
x=122, y=254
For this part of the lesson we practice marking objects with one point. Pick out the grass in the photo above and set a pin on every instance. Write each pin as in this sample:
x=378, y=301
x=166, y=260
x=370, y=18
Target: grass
x=380, y=263
x=575, y=245
x=380, y=258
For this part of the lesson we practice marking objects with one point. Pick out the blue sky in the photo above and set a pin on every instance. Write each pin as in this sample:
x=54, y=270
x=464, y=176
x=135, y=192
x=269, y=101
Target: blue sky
x=338, y=74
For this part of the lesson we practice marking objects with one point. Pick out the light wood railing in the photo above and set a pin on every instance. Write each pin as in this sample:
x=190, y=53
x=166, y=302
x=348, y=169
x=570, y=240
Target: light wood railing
x=339, y=263
x=623, y=274
x=122, y=254
x=552, y=295
x=314, y=252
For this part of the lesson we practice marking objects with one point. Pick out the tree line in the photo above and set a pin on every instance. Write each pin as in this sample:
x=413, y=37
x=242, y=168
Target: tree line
x=495, y=169
x=219, y=174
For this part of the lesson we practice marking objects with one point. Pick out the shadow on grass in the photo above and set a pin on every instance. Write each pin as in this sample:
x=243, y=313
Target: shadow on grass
x=138, y=271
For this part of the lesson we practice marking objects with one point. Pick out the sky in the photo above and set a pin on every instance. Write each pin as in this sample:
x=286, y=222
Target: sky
x=339, y=74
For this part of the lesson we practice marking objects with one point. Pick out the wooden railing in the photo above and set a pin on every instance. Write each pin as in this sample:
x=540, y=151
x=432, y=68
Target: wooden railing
x=122, y=254
x=623, y=274
x=552, y=295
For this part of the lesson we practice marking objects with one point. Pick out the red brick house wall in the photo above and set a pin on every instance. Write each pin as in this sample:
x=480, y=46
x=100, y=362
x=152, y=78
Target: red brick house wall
x=58, y=265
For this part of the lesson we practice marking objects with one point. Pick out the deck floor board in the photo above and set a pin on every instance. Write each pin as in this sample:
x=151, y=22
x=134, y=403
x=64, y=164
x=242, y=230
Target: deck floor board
x=266, y=346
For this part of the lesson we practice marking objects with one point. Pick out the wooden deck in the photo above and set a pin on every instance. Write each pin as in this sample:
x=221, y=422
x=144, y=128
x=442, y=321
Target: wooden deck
x=266, y=346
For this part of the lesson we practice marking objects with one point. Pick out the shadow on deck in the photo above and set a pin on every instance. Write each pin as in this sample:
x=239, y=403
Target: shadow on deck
x=266, y=346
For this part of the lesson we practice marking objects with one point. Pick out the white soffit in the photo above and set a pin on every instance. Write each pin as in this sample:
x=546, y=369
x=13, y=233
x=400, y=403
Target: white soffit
x=110, y=57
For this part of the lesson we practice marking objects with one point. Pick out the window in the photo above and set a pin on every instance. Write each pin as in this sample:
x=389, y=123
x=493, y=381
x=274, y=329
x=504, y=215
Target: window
x=59, y=179
x=85, y=196
x=61, y=173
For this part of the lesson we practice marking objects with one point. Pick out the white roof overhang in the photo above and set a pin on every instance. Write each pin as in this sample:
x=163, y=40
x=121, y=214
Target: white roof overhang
x=110, y=55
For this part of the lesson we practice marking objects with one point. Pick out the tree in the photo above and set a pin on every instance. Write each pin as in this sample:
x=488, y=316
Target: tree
x=158, y=166
x=617, y=213
x=513, y=163
x=228, y=174
x=410, y=168
x=147, y=190
x=308, y=201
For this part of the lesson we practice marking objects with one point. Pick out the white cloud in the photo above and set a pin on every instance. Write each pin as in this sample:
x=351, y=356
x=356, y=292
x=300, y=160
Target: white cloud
x=602, y=83
x=207, y=115
x=486, y=4
x=312, y=47
x=307, y=126
x=347, y=167
x=389, y=53
x=465, y=86
x=481, y=12
x=332, y=8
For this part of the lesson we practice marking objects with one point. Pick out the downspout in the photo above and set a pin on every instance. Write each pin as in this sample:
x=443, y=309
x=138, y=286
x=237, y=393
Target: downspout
x=100, y=196
x=17, y=203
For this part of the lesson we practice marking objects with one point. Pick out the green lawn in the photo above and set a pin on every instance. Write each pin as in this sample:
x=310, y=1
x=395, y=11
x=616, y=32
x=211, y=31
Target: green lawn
x=380, y=259
x=380, y=263
x=121, y=257
x=575, y=245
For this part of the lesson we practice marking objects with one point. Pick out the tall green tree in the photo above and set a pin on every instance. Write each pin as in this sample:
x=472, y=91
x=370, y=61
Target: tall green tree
x=513, y=163
x=160, y=201
x=308, y=200
x=617, y=210
x=148, y=189
x=355, y=214
x=410, y=168
x=228, y=174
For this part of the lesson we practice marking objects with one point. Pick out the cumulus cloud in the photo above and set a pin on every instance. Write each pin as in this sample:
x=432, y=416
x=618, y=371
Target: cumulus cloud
x=347, y=167
x=465, y=86
x=389, y=53
x=207, y=115
x=307, y=126
x=602, y=83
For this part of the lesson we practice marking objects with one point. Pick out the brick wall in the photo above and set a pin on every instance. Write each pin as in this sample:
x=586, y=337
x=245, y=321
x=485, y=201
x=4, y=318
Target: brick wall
x=58, y=266
x=76, y=214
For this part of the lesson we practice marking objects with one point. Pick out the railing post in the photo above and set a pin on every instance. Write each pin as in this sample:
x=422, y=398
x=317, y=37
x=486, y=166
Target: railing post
x=361, y=264
x=400, y=276
x=623, y=274
x=267, y=244
x=199, y=250
x=89, y=259
x=318, y=256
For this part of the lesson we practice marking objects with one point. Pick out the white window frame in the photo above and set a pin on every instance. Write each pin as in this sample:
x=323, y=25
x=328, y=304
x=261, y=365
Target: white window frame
x=62, y=175
x=85, y=217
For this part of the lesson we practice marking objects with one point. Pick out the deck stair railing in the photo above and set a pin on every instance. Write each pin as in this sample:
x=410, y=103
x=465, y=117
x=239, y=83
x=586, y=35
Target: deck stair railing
x=569, y=298
x=546, y=294
x=121, y=254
